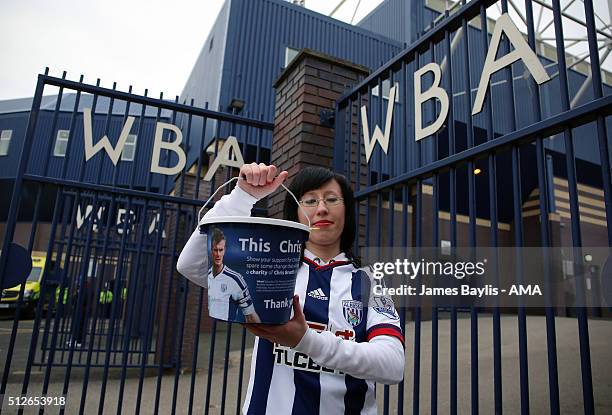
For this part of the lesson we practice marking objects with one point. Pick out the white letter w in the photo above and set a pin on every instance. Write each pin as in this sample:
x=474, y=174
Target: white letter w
x=104, y=143
x=377, y=135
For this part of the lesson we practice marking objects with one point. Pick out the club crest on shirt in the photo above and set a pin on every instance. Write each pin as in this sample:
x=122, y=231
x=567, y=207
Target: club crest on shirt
x=223, y=288
x=353, y=311
x=385, y=306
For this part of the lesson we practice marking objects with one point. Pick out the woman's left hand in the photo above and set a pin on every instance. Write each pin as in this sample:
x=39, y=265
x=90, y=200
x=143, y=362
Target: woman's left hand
x=288, y=334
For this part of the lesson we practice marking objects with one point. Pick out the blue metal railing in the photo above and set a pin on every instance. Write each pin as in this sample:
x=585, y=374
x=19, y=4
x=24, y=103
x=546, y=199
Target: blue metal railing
x=119, y=237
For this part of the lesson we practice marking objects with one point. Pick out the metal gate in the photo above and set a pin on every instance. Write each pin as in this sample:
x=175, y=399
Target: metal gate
x=513, y=174
x=115, y=327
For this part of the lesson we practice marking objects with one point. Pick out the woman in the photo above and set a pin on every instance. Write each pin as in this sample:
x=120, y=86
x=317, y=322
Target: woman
x=326, y=359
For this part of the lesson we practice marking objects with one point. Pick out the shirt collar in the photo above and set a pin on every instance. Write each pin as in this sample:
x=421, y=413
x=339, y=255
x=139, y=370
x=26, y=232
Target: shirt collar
x=340, y=257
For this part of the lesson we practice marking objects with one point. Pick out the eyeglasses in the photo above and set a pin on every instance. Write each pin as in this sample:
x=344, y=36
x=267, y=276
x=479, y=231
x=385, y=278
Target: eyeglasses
x=311, y=202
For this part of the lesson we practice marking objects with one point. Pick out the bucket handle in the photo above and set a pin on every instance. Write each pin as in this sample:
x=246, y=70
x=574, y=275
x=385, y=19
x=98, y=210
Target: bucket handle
x=242, y=178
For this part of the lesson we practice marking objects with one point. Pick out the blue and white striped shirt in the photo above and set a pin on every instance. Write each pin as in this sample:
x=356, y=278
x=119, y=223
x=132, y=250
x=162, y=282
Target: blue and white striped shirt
x=288, y=381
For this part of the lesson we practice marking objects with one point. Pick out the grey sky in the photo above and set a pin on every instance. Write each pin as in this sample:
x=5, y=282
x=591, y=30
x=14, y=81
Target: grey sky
x=148, y=44
x=144, y=43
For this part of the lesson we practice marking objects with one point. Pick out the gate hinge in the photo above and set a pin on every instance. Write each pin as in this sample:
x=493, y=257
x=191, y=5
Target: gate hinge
x=327, y=118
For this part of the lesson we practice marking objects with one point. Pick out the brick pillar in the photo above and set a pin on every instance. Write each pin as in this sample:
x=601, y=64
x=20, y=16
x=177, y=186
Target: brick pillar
x=310, y=84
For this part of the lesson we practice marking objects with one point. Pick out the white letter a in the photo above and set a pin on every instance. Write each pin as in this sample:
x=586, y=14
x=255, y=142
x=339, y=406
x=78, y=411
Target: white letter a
x=521, y=51
x=229, y=155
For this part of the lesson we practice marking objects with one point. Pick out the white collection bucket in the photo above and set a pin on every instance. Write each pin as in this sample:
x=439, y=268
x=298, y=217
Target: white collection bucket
x=253, y=265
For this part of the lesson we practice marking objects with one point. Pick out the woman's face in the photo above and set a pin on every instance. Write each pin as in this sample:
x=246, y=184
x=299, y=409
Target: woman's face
x=328, y=219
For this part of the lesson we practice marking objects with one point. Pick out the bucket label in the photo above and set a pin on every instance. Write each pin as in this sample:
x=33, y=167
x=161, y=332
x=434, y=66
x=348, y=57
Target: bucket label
x=252, y=271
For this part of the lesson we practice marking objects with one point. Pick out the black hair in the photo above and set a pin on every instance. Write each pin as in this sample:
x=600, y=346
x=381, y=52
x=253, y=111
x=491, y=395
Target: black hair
x=217, y=236
x=312, y=178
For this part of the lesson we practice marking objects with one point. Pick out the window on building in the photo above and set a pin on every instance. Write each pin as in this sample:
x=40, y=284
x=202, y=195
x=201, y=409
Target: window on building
x=61, y=143
x=129, y=150
x=386, y=88
x=290, y=54
x=5, y=141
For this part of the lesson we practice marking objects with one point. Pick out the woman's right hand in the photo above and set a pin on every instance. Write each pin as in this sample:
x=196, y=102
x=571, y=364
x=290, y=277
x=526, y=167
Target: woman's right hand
x=259, y=180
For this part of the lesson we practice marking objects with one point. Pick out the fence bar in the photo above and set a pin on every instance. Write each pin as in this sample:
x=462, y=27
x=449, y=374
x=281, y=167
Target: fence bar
x=73, y=118
x=522, y=316
x=471, y=199
x=211, y=356
x=404, y=221
x=50, y=146
x=11, y=346
x=583, y=328
x=131, y=301
x=104, y=252
x=91, y=344
x=241, y=371
x=545, y=195
x=417, y=323
x=435, y=318
x=139, y=130
x=11, y=221
x=194, y=362
x=126, y=114
x=228, y=340
x=358, y=158
x=109, y=339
